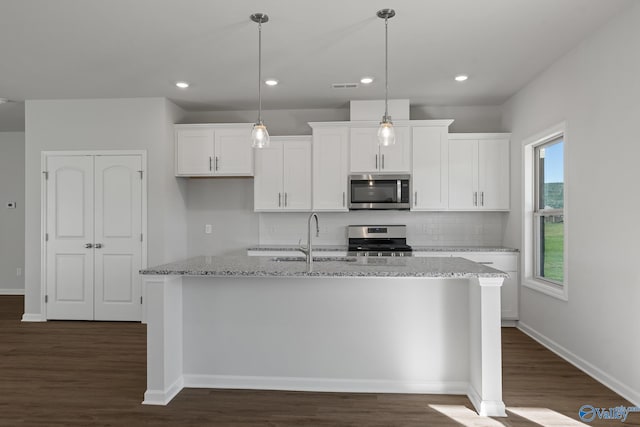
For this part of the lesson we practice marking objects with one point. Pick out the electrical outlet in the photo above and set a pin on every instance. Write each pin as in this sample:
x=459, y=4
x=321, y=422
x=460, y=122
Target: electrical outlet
x=18, y=271
x=208, y=229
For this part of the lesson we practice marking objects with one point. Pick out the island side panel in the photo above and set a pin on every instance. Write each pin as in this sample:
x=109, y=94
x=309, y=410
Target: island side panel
x=327, y=334
x=485, y=346
x=164, y=338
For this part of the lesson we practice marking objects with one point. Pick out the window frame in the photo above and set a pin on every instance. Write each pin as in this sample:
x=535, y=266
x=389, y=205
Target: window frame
x=531, y=214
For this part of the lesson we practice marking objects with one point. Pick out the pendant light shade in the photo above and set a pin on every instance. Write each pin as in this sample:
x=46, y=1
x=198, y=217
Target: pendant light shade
x=259, y=133
x=386, y=133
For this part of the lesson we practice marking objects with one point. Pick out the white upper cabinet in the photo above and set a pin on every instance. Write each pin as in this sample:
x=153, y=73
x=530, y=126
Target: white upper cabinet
x=429, y=165
x=368, y=157
x=479, y=171
x=330, y=167
x=282, y=180
x=213, y=150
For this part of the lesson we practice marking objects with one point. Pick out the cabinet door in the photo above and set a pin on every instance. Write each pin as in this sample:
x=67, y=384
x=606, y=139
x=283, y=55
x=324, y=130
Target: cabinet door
x=395, y=158
x=118, y=227
x=267, y=183
x=365, y=156
x=463, y=174
x=233, y=152
x=297, y=175
x=330, y=168
x=194, y=151
x=430, y=168
x=493, y=174
x=69, y=224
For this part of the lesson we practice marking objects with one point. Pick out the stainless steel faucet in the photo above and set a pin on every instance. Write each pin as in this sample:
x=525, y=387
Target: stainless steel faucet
x=308, y=250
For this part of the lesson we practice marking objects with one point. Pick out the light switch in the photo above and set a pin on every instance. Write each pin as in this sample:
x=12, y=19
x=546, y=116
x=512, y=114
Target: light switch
x=11, y=205
x=207, y=228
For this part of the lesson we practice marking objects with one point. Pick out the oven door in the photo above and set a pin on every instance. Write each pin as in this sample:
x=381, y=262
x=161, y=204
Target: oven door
x=378, y=192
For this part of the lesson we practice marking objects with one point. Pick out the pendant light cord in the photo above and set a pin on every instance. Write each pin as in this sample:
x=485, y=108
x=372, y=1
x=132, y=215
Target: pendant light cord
x=386, y=70
x=260, y=72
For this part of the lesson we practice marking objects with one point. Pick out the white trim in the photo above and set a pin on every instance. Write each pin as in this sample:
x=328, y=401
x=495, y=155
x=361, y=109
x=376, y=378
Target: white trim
x=590, y=369
x=44, y=155
x=11, y=291
x=334, y=385
x=33, y=317
x=486, y=408
x=528, y=191
x=163, y=397
x=501, y=135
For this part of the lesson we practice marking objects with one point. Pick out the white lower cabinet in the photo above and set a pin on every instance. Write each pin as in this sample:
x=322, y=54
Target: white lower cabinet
x=504, y=261
x=282, y=180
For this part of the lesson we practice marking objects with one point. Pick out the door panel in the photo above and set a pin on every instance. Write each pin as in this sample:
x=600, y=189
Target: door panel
x=118, y=230
x=297, y=175
x=364, y=150
x=267, y=184
x=395, y=158
x=233, y=152
x=463, y=174
x=194, y=151
x=69, y=224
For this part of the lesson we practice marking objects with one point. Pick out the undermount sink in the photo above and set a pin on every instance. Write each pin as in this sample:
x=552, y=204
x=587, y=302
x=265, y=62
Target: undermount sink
x=315, y=259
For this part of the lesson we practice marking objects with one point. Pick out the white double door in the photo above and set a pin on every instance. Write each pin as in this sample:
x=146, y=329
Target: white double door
x=94, y=208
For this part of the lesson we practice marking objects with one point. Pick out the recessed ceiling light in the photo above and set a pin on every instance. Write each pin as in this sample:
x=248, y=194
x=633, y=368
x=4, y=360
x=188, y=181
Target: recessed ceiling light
x=182, y=85
x=271, y=82
x=461, y=77
x=366, y=80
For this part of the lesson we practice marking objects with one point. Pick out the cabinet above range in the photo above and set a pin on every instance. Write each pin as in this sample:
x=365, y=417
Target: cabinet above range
x=209, y=150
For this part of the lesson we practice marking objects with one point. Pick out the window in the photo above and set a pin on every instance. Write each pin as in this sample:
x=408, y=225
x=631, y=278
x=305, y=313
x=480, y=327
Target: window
x=549, y=211
x=545, y=213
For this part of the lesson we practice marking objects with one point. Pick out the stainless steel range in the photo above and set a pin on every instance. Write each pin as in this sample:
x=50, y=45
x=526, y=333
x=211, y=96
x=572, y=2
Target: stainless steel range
x=378, y=240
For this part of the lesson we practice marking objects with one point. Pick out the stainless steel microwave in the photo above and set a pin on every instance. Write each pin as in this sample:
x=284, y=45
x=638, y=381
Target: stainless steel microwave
x=375, y=192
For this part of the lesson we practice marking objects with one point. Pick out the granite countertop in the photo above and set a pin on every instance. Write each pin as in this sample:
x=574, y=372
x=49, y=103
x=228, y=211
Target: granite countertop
x=248, y=266
x=335, y=248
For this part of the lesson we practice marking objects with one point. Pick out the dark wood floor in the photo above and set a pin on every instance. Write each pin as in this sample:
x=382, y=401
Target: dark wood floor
x=93, y=373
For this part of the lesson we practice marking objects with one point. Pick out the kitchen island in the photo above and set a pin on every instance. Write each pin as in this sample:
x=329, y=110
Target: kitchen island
x=352, y=324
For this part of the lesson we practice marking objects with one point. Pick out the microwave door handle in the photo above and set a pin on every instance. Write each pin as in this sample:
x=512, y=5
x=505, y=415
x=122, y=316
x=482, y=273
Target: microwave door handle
x=399, y=190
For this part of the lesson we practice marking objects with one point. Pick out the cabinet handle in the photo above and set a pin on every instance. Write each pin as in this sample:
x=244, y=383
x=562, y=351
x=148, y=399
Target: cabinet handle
x=475, y=198
x=279, y=199
x=210, y=163
x=216, y=162
x=415, y=199
x=382, y=161
x=88, y=245
x=343, y=199
x=376, y=161
x=285, y=200
x=482, y=198
x=98, y=245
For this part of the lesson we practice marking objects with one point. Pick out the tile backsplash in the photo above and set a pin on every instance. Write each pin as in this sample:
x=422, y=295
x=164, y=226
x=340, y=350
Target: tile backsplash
x=423, y=228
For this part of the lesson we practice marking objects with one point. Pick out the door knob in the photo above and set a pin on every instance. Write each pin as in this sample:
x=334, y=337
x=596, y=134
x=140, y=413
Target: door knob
x=88, y=245
x=98, y=245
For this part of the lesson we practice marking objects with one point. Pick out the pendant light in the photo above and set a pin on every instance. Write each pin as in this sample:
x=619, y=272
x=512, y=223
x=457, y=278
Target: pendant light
x=386, y=133
x=259, y=133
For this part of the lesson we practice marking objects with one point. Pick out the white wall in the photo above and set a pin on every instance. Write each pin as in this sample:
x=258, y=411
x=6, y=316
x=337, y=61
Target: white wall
x=595, y=89
x=106, y=124
x=11, y=220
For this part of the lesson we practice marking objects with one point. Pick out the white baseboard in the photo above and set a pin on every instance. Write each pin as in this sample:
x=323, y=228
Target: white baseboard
x=33, y=317
x=323, y=384
x=486, y=408
x=11, y=291
x=163, y=397
x=598, y=374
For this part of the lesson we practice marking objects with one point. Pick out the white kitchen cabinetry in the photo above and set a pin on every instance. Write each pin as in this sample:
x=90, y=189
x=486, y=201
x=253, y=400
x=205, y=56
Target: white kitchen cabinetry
x=429, y=165
x=479, y=171
x=366, y=156
x=213, y=150
x=330, y=167
x=282, y=180
x=504, y=261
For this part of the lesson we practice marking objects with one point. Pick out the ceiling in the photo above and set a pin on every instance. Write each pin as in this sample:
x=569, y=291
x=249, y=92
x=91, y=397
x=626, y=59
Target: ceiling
x=122, y=48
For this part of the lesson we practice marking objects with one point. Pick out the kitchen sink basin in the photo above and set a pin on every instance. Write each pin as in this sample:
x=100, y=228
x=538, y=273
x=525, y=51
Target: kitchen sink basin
x=315, y=259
